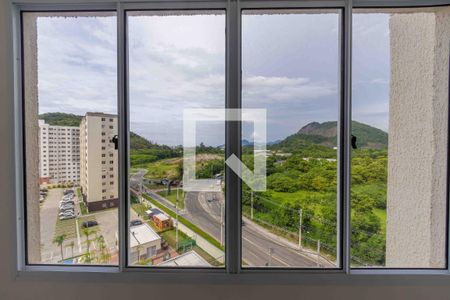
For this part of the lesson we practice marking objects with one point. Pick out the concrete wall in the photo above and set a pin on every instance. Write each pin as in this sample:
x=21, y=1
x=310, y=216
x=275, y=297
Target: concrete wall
x=32, y=138
x=14, y=286
x=418, y=113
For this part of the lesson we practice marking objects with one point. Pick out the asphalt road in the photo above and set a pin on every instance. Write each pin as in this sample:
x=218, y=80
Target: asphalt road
x=258, y=250
x=255, y=245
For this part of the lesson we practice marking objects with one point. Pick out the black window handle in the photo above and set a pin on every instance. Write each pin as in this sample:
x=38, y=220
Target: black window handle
x=354, y=146
x=115, y=140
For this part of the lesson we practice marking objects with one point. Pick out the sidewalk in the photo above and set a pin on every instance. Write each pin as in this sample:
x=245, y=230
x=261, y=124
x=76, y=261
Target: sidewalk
x=212, y=250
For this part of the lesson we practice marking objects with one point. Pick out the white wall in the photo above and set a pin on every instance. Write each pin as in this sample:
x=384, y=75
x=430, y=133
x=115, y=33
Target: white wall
x=63, y=286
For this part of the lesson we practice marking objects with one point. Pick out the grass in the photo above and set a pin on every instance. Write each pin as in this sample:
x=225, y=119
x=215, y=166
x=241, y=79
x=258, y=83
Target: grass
x=68, y=227
x=187, y=223
x=165, y=168
x=172, y=197
x=83, y=208
x=170, y=237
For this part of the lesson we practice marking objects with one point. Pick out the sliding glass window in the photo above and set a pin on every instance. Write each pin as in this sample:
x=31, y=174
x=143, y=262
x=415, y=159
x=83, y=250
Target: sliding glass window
x=290, y=71
x=176, y=97
x=70, y=120
x=399, y=169
x=179, y=69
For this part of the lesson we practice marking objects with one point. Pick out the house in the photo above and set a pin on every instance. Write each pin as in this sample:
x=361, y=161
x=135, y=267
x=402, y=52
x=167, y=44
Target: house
x=144, y=243
x=162, y=221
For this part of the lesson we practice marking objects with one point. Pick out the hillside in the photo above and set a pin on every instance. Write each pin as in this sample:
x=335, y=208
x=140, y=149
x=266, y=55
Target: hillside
x=61, y=119
x=324, y=134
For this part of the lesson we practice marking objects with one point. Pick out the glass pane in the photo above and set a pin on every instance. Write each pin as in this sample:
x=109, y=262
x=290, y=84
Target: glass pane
x=70, y=110
x=400, y=113
x=176, y=64
x=290, y=68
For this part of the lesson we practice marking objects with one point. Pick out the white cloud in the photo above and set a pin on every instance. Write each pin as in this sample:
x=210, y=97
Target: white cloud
x=272, y=89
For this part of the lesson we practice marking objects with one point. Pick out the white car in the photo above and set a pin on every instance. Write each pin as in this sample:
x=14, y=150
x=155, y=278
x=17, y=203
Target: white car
x=66, y=217
x=66, y=211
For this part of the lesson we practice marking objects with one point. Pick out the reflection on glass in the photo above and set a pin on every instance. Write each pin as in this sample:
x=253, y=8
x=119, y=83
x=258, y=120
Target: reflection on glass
x=290, y=67
x=400, y=113
x=70, y=119
x=176, y=63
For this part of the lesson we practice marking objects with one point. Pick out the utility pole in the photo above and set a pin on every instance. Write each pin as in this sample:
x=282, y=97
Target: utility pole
x=300, y=229
x=251, y=205
x=318, y=252
x=221, y=224
x=140, y=190
x=176, y=225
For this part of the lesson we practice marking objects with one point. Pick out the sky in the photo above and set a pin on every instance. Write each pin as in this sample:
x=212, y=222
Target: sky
x=290, y=66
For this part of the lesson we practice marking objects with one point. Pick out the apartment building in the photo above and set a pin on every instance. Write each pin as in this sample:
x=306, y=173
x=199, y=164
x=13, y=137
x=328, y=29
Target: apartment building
x=59, y=154
x=98, y=161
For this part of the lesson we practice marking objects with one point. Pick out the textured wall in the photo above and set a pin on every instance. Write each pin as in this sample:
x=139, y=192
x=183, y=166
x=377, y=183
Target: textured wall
x=418, y=111
x=32, y=136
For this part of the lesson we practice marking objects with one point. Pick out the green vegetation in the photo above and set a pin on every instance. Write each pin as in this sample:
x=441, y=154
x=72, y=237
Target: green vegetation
x=68, y=227
x=301, y=174
x=61, y=119
x=172, y=197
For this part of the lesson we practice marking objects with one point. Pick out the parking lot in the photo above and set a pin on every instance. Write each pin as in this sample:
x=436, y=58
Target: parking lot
x=75, y=241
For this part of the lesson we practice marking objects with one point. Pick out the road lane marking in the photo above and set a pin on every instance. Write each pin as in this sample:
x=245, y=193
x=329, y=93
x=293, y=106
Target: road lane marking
x=262, y=250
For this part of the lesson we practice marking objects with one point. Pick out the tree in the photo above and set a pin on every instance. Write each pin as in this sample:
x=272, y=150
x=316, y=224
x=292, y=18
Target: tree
x=59, y=240
x=87, y=232
x=104, y=256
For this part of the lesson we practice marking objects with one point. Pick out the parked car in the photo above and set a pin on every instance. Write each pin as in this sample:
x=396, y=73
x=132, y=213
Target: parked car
x=68, y=192
x=66, y=208
x=66, y=211
x=88, y=224
x=62, y=208
x=66, y=217
x=135, y=223
x=68, y=196
x=68, y=204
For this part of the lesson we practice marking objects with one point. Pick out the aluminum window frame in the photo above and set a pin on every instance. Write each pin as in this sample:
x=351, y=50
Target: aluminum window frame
x=233, y=271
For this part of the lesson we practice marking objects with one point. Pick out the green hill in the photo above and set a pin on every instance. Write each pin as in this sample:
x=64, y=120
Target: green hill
x=61, y=119
x=320, y=135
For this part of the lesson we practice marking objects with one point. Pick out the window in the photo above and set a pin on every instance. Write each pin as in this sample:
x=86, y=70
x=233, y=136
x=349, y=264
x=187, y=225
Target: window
x=187, y=53
x=57, y=52
x=400, y=121
x=303, y=153
x=283, y=73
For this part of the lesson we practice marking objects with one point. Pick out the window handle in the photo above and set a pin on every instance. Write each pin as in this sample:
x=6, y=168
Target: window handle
x=115, y=140
x=354, y=146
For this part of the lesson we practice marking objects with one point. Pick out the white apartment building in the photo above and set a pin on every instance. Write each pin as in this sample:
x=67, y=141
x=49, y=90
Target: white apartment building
x=59, y=154
x=99, y=161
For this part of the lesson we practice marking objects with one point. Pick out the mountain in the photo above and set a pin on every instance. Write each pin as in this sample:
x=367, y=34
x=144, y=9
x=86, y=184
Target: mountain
x=61, y=119
x=324, y=134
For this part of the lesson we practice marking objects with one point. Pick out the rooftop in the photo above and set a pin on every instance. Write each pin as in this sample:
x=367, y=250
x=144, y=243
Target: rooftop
x=142, y=234
x=161, y=217
x=190, y=258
